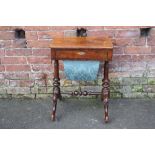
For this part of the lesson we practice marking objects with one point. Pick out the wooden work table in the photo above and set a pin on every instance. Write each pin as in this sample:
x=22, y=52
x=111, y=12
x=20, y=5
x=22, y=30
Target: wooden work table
x=81, y=48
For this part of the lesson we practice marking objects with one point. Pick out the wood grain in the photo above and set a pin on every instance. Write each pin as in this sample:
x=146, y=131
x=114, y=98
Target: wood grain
x=82, y=43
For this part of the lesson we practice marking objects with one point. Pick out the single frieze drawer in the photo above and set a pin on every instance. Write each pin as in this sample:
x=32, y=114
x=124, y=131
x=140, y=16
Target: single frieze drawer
x=82, y=54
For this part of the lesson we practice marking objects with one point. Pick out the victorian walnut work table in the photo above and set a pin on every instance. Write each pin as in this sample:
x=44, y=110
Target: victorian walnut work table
x=81, y=48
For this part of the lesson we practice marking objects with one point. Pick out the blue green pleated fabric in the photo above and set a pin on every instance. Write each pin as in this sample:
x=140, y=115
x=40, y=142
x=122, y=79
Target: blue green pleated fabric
x=81, y=70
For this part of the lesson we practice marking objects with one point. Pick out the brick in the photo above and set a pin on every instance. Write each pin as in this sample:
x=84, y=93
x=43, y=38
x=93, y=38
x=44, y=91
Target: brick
x=49, y=90
x=115, y=66
x=41, y=96
x=42, y=90
x=38, y=60
x=50, y=34
x=137, y=50
x=40, y=76
x=151, y=81
x=2, y=76
x=149, y=58
x=17, y=76
x=123, y=41
x=2, y=68
x=5, y=28
x=61, y=66
x=151, y=95
x=140, y=41
x=134, y=81
x=135, y=95
x=115, y=95
x=115, y=81
x=62, y=28
x=149, y=88
x=17, y=27
x=90, y=88
x=19, y=43
x=87, y=83
x=42, y=68
x=17, y=68
x=14, y=83
x=101, y=33
x=13, y=60
x=2, y=90
x=127, y=66
x=151, y=40
x=137, y=88
x=65, y=83
x=18, y=52
x=138, y=73
x=5, y=96
x=124, y=66
x=118, y=50
x=21, y=83
x=126, y=89
x=127, y=33
x=151, y=65
x=153, y=49
x=94, y=27
x=134, y=66
x=43, y=83
x=23, y=96
x=152, y=32
x=74, y=83
x=69, y=89
x=18, y=90
x=5, y=43
x=2, y=53
x=37, y=28
x=4, y=82
x=70, y=33
x=31, y=35
x=38, y=43
x=151, y=73
x=122, y=58
x=37, y=76
x=121, y=27
x=138, y=57
x=115, y=88
x=42, y=52
x=34, y=90
x=5, y=35
x=119, y=74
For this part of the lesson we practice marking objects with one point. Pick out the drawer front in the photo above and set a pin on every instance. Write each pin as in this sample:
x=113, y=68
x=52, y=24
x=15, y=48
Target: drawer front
x=81, y=55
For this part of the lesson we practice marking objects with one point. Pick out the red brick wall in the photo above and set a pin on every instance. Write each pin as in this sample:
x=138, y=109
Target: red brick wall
x=26, y=69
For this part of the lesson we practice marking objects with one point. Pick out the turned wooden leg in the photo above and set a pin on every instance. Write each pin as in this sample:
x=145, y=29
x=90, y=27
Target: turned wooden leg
x=56, y=89
x=106, y=91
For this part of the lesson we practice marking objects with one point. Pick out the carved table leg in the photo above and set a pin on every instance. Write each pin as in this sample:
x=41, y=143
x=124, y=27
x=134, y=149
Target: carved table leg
x=106, y=91
x=56, y=89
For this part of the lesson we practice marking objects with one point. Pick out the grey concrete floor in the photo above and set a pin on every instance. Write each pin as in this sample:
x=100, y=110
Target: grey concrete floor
x=77, y=114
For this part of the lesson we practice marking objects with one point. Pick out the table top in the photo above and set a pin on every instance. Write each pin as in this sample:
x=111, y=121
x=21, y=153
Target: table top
x=81, y=43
